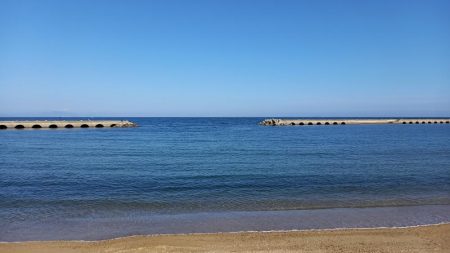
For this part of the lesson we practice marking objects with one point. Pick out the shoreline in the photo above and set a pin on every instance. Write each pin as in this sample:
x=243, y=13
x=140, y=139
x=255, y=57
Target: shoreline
x=139, y=223
x=421, y=238
x=236, y=232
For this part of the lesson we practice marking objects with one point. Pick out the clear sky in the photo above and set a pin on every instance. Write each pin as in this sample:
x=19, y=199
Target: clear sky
x=224, y=58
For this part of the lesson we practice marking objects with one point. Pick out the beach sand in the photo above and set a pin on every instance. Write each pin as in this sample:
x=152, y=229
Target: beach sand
x=434, y=238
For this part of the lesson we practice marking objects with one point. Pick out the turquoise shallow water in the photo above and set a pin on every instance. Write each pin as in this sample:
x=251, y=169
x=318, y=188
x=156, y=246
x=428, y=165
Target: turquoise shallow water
x=59, y=184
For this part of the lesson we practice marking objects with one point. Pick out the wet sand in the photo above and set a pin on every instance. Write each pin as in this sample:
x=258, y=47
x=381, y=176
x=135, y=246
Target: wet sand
x=434, y=238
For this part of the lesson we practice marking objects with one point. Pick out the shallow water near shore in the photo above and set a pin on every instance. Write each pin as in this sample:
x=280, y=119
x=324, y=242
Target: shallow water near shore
x=182, y=175
x=136, y=222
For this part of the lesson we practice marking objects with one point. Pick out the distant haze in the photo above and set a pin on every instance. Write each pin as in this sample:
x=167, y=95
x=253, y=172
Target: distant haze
x=224, y=58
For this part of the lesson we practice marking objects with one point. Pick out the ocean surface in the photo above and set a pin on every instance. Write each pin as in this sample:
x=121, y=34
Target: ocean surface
x=183, y=175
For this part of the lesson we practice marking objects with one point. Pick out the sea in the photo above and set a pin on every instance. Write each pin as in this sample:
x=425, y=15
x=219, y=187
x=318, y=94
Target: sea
x=206, y=175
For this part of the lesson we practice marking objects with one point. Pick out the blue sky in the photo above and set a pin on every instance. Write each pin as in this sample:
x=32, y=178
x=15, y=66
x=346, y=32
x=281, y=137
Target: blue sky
x=224, y=58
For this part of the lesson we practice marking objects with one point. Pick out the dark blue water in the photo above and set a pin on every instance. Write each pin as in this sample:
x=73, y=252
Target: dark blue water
x=61, y=183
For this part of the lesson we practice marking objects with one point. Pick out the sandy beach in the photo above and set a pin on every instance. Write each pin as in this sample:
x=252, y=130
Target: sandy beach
x=434, y=238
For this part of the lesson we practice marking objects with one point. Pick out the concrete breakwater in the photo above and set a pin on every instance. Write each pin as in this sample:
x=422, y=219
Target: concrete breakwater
x=53, y=124
x=301, y=122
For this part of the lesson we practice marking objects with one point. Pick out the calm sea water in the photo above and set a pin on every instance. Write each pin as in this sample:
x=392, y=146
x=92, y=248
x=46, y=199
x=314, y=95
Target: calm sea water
x=219, y=174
